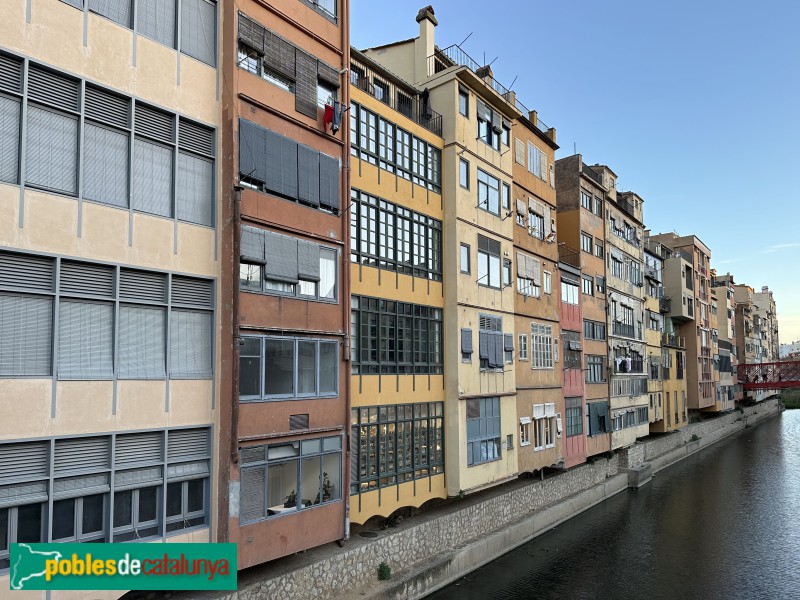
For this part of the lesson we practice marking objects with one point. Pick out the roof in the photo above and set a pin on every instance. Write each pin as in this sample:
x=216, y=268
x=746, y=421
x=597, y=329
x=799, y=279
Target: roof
x=390, y=44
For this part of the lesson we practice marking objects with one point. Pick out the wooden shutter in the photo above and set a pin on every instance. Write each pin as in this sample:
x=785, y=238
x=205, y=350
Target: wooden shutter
x=253, y=494
x=280, y=56
x=86, y=340
x=281, y=255
x=118, y=11
x=253, y=152
x=152, y=178
x=86, y=279
x=308, y=175
x=26, y=335
x=251, y=34
x=142, y=342
x=329, y=182
x=483, y=344
x=199, y=30
x=26, y=272
x=190, y=345
x=83, y=454
x=308, y=260
x=156, y=19
x=195, y=189
x=52, y=150
x=305, y=91
x=188, y=291
x=105, y=167
x=144, y=286
x=138, y=448
x=251, y=248
x=328, y=74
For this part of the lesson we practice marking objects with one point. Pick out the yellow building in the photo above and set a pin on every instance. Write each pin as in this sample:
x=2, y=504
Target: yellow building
x=654, y=328
x=108, y=269
x=397, y=209
x=480, y=399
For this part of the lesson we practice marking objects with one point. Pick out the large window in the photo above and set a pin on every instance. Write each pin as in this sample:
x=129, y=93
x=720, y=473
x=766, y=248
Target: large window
x=491, y=127
x=573, y=408
x=389, y=236
x=170, y=172
x=586, y=242
x=276, y=368
x=586, y=200
x=488, y=193
x=537, y=162
x=528, y=275
x=488, y=262
x=572, y=349
x=595, y=369
x=597, y=418
x=289, y=476
x=541, y=346
x=104, y=488
x=396, y=443
x=98, y=305
x=594, y=330
x=483, y=430
x=407, y=155
x=587, y=284
x=569, y=291
x=395, y=337
x=544, y=426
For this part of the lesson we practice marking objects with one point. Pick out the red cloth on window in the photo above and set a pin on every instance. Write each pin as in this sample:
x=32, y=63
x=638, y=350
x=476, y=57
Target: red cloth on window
x=327, y=118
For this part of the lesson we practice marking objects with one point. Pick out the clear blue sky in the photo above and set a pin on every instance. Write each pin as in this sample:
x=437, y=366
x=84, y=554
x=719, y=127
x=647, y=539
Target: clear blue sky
x=694, y=104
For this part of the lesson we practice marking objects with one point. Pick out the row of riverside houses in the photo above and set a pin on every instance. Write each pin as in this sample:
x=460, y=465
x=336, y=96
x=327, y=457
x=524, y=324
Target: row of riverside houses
x=257, y=286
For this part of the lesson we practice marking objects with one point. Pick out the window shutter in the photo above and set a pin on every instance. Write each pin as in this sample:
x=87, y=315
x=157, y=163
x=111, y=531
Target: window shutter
x=154, y=123
x=142, y=341
x=508, y=342
x=281, y=254
x=251, y=33
x=86, y=341
x=188, y=291
x=329, y=182
x=118, y=11
x=50, y=88
x=253, y=494
x=23, y=493
x=483, y=344
x=521, y=265
x=26, y=460
x=536, y=271
x=52, y=150
x=296, y=422
x=281, y=56
x=466, y=340
x=195, y=189
x=519, y=151
x=309, y=174
x=152, y=178
x=199, y=30
x=9, y=136
x=251, y=247
x=187, y=444
x=308, y=260
x=105, y=169
x=26, y=335
x=252, y=151
x=74, y=487
x=156, y=19
x=280, y=170
x=138, y=448
x=22, y=271
x=191, y=470
x=543, y=169
x=547, y=223
x=190, y=345
x=497, y=349
x=83, y=454
x=306, y=85
x=521, y=207
x=497, y=122
x=137, y=478
x=327, y=74
x=142, y=286
x=10, y=74
x=558, y=423
x=86, y=279
x=195, y=137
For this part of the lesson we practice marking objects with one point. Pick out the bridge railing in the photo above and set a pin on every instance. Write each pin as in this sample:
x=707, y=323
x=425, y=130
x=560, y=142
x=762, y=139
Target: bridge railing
x=773, y=375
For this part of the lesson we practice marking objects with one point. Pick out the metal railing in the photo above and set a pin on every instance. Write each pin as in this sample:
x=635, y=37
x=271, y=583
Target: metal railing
x=672, y=340
x=665, y=305
x=705, y=351
x=569, y=255
x=624, y=329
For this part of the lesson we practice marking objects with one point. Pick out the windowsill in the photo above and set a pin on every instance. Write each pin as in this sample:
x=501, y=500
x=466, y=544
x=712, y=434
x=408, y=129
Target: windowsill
x=484, y=462
x=289, y=511
x=287, y=398
x=289, y=296
x=523, y=444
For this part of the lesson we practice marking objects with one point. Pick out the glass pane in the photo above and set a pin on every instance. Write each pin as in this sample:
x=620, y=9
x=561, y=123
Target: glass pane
x=282, y=486
x=196, y=493
x=92, y=513
x=148, y=504
x=307, y=368
x=310, y=475
x=308, y=288
x=122, y=508
x=250, y=277
x=174, y=499
x=331, y=481
x=310, y=446
x=279, y=369
x=3, y=529
x=328, y=368
x=327, y=274
x=63, y=519
x=249, y=376
x=333, y=443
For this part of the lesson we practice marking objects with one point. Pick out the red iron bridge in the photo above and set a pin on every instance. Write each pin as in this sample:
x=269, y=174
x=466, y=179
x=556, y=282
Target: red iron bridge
x=770, y=376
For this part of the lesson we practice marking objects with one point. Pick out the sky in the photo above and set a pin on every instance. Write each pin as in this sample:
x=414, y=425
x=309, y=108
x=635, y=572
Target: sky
x=694, y=104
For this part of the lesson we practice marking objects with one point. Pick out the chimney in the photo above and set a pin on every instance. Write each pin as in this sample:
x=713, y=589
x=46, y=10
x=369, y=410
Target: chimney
x=424, y=44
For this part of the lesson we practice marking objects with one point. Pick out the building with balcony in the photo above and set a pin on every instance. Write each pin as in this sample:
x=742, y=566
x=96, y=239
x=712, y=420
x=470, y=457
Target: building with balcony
x=285, y=378
x=764, y=303
x=581, y=197
x=687, y=277
x=397, y=285
x=654, y=326
x=755, y=330
x=109, y=269
x=482, y=424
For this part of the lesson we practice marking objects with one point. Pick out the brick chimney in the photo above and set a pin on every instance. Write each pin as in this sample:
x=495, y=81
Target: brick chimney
x=424, y=44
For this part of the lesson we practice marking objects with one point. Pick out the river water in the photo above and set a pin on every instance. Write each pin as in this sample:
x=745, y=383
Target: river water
x=724, y=523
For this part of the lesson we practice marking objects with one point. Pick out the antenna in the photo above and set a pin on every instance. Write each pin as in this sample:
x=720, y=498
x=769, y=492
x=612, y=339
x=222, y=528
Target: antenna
x=511, y=87
x=574, y=148
x=490, y=64
x=465, y=39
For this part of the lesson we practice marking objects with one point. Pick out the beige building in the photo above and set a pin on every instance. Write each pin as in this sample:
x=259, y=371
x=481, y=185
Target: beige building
x=729, y=391
x=108, y=271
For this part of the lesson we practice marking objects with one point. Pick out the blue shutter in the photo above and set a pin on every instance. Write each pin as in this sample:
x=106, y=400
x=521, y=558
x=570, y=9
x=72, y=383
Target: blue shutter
x=104, y=106
x=26, y=335
x=142, y=286
x=86, y=341
x=118, y=11
x=466, y=340
x=86, y=279
x=188, y=291
x=281, y=254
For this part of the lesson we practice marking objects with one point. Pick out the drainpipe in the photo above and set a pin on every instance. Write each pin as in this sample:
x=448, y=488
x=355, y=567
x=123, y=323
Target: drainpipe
x=237, y=240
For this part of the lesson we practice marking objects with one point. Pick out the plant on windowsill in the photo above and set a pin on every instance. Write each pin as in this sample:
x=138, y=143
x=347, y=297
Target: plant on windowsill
x=327, y=489
x=291, y=500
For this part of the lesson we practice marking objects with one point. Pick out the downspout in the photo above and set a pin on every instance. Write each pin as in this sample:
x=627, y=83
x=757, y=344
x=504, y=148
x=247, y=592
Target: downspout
x=237, y=241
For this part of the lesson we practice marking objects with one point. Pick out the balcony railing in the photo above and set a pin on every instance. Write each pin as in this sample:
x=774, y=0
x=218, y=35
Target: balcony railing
x=652, y=272
x=569, y=255
x=672, y=340
x=593, y=175
x=624, y=329
x=665, y=305
x=705, y=351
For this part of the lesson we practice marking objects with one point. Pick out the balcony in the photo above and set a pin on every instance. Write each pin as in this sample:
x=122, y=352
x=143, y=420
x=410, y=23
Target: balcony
x=453, y=56
x=627, y=206
x=705, y=351
x=624, y=329
x=652, y=273
x=672, y=340
x=569, y=255
x=664, y=305
x=593, y=175
x=703, y=270
x=401, y=98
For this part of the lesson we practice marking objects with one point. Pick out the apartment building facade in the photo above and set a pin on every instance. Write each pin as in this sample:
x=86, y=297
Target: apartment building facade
x=286, y=319
x=729, y=391
x=109, y=272
x=581, y=197
x=480, y=407
x=397, y=284
x=654, y=328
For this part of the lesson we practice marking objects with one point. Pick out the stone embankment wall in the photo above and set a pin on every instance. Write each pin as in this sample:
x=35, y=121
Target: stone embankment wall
x=436, y=549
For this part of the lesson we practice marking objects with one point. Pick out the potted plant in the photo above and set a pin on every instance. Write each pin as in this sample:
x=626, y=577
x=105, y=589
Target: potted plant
x=327, y=487
x=291, y=500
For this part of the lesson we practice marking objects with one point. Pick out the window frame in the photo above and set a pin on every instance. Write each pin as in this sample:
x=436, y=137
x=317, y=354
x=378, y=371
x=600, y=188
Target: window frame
x=484, y=420
x=463, y=173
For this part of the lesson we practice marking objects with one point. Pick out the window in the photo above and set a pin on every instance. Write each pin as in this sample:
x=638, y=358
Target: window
x=396, y=443
x=594, y=330
x=572, y=349
x=569, y=291
x=541, y=346
x=491, y=342
x=537, y=162
x=598, y=249
x=326, y=94
x=573, y=408
x=600, y=284
x=548, y=282
x=287, y=477
x=463, y=102
x=588, y=285
x=525, y=431
x=623, y=320
x=544, y=426
x=506, y=197
x=489, y=125
x=586, y=200
x=654, y=368
x=595, y=369
x=586, y=242
x=597, y=418
x=282, y=82
x=277, y=368
x=522, y=354
x=535, y=225
x=507, y=277
x=465, y=266
x=598, y=207
x=327, y=8
x=463, y=173
x=23, y=523
x=395, y=337
x=488, y=193
x=488, y=262
x=483, y=430
x=641, y=415
x=505, y=135
x=466, y=345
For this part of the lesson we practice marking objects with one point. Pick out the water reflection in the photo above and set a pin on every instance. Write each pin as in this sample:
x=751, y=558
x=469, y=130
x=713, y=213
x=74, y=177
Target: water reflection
x=722, y=524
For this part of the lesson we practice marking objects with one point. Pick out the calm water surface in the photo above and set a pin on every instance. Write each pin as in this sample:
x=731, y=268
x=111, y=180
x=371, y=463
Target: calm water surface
x=724, y=523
